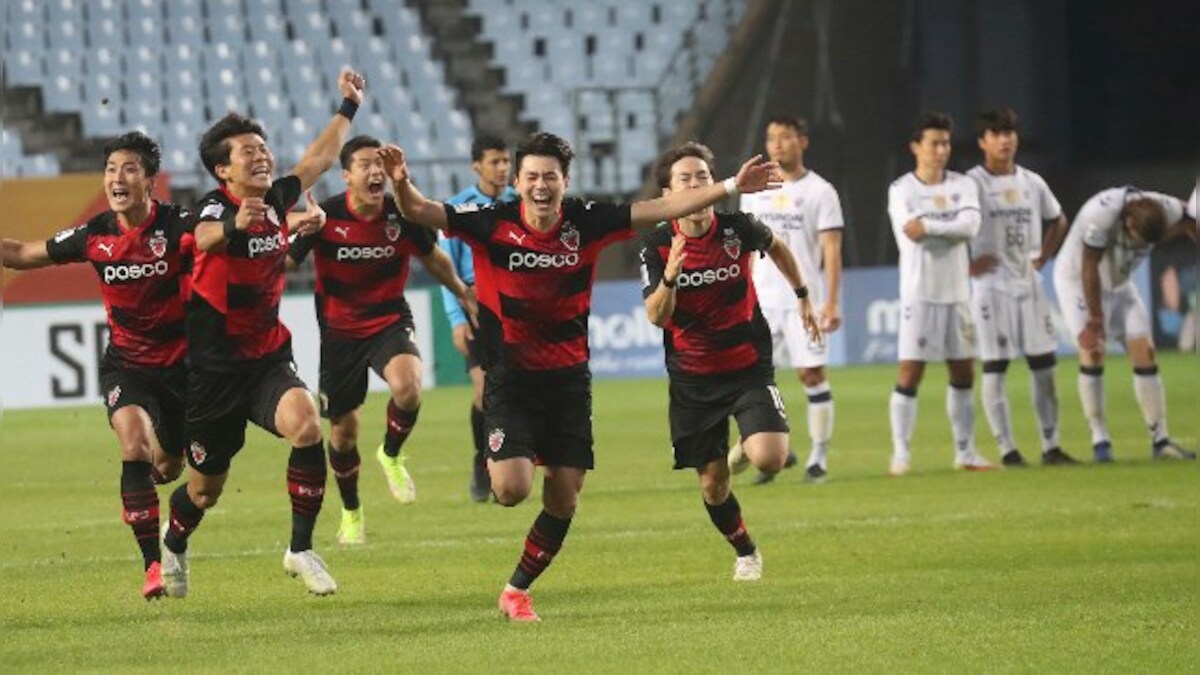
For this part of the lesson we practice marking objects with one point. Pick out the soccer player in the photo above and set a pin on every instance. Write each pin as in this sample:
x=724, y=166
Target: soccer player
x=240, y=364
x=490, y=161
x=362, y=261
x=934, y=214
x=1111, y=235
x=535, y=262
x=696, y=286
x=805, y=213
x=137, y=248
x=1008, y=302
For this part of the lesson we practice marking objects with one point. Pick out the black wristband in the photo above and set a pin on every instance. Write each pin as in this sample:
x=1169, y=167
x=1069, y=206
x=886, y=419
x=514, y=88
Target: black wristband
x=229, y=227
x=802, y=292
x=668, y=284
x=348, y=109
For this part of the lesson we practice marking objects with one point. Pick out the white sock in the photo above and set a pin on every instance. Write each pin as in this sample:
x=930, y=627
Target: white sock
x=903, y=409
x=960, y=408
x=995, y=407
x=1045, y=403
x=1091, y=395
x=1152, y=399
x=820, y=421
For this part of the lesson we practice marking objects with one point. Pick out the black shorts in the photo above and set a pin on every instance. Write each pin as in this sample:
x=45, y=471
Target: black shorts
x=220, y=404
x=344, y=365
x=546, y=417
x=474, y=354
x=700, y=411
x=161, y=392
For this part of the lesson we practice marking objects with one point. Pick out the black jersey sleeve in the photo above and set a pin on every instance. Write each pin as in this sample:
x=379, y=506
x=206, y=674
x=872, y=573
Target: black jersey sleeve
x=69, y=245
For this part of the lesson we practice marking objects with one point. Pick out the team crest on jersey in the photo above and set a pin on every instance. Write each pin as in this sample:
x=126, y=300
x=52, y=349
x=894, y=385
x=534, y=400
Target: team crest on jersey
x=114, y=395
x=392, y=231
x=158, y=244
x=570, y=238
x=939, y=201
x=496, y=440
x=1010, y=195
x=199, y=454
x=781, y=200
x=732, y=244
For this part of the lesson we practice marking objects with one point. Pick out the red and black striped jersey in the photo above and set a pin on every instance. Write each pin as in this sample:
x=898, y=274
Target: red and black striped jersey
x=233, y=311
x=717, y=326
x=362, y=267
x=142, y=273
x=535, y=288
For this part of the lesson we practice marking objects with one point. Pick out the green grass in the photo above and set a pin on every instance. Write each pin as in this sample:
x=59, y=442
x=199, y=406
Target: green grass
x=1045, y=570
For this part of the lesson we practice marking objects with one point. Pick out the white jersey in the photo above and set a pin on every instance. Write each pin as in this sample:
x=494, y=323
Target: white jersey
x=935, y=269
x=798, y=212
x=1012, y=208
x=1099, y=225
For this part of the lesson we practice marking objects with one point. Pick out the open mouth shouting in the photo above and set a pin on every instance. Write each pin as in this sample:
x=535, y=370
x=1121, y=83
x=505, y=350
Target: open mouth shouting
x=261, y=171
x=120, y=196
x=375, y=187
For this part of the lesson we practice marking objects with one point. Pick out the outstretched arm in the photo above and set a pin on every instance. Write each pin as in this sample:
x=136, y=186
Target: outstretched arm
x=413, y=205
x=26, y=255
x=323, y=152
x=754, y=176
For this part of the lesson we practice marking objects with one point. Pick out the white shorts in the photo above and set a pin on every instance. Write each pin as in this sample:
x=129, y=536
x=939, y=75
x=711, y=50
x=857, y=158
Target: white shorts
x=1012, y=326
x=936, y=332
x=1125, y=316
x=792, y=345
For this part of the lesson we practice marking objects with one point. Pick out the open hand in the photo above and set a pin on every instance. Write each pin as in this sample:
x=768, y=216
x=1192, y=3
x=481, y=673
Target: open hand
x=757, y=175
x=313, y=219
x=394, y=163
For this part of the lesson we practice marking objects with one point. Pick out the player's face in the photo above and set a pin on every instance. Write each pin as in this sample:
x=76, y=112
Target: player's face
x=690, y=173
x=541, y=184
x=999, y=145
x=493, y=168
x=933, y=150
x=251, y=163
x=785, y=145
x=365, y=178
x=126, y=185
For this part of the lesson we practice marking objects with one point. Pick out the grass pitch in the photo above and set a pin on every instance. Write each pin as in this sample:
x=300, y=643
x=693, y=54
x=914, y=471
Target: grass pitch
x=1051, y=570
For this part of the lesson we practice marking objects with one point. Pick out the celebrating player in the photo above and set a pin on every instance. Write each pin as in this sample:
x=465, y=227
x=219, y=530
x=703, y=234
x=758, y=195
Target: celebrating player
x=535, y=262
x=489, y=161
x=137, y=249
x=239, y=353
x=696, y=286
x=362, y=261
x=1111, y=235
x=934, y=214
x=1009, y=304
x=805, y=213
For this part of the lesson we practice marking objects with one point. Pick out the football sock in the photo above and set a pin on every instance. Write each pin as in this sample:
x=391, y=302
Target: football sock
x=1148, y=388
x=727, y=517
x=1045, y=403
x=820, y=421
x=139, y=507
x=185, y=518
x=960, y=408
x=903, y=409
x=306, y=487
x=995, y=407
x=400, y=424
x=1091, y=395
x=345, y=472
x=544, y=541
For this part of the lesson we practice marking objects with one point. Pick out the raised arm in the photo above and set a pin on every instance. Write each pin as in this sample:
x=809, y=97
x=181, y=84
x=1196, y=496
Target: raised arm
x=26, y=255
x=754, y=176
x=323, y=152
x=413, y=205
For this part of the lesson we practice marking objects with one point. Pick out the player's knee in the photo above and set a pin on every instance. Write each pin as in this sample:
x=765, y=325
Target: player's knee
x=407, y=394
x=811, y=377
x=308, y=432
x=999, y=366
x=169, y=468
x=206, y=498
x=510, y=494
x=136, y=449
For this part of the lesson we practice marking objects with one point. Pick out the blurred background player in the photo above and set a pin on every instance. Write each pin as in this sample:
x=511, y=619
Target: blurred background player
x=1011, y=312
x=138, y=249
x=697, y=288
x=807, y=214
x=1093, y=278
x=240, y=366
x=934, y=214
x=490, y=162
x=535, y=268
x=362, y=262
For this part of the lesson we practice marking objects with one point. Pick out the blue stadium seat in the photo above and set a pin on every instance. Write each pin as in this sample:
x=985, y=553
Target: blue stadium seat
x=24, y=68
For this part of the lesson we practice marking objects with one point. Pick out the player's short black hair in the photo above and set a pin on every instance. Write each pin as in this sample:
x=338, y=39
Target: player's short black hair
x=997, y=121
x=1149, y=218
x=798, y=124
x=544, y=144
x=354, y=145
x=931, y=120
x=485, y=142
x=662, y=168
x=141, y=145
x=214, y=144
